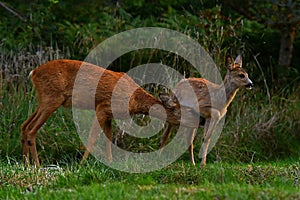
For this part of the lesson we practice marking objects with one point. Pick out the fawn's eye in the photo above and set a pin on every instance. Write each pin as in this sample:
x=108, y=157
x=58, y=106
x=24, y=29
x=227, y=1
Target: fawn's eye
x=242, y=75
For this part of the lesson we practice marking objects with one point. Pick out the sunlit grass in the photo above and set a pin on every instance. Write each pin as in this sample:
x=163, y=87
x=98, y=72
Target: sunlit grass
x=179, y=180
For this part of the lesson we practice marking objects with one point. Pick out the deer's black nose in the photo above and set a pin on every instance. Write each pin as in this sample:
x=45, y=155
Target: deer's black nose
x=249, y=85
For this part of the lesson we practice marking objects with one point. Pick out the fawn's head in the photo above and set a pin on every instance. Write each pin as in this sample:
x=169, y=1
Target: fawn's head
x=236, y=75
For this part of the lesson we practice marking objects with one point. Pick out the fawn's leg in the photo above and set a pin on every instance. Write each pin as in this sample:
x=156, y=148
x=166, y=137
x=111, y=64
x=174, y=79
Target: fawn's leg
x=210, y=125
x=190, y=139
x=165, y=136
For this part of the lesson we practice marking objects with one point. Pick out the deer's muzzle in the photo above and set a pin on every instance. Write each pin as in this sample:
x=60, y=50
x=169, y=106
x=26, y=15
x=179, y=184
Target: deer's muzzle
x=249, y=86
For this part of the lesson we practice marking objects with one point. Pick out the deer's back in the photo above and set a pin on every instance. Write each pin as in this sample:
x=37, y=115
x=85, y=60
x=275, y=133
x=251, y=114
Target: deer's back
x=93, y=84
x=197, y=93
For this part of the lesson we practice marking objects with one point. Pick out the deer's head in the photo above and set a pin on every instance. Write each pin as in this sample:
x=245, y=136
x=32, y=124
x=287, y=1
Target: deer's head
x=236, y=74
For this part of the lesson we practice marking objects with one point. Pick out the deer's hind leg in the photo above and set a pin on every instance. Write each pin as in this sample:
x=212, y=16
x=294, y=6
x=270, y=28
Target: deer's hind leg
x=190, y=139
x=209, y=128
x=32, y=125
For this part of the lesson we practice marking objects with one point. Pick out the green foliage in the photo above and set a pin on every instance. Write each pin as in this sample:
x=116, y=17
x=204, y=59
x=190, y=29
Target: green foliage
x=217, y=28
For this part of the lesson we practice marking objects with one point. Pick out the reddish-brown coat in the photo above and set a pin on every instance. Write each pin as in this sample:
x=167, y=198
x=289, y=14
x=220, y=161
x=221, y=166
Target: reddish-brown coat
x=54, y=82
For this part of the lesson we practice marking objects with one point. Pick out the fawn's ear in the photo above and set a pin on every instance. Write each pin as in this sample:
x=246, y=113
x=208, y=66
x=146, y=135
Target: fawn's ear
x=229, y=63
x=169, y=100
x=238, y=61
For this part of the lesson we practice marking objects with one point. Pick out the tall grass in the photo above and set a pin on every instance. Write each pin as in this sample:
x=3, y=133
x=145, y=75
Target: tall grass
x=257, y=128
x=263, y=124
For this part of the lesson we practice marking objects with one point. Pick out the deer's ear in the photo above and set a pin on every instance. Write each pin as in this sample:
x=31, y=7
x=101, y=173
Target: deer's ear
x=168, y=100
x=229, y=63
x=238, y=61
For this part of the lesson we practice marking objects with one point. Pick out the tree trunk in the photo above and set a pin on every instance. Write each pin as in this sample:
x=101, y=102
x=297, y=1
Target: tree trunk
x=286, y=46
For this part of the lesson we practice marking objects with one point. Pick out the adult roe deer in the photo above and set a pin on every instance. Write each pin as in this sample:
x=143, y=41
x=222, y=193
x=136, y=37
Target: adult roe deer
x=54, y=82
x=207, y=92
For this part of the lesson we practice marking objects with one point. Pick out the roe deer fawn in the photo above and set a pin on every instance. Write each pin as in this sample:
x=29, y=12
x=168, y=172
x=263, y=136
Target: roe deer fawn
x=206, y=92
x=54, y=82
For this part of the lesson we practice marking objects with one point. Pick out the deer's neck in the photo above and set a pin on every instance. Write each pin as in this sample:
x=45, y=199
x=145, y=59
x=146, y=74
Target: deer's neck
x=145, y=103
x=230, y=90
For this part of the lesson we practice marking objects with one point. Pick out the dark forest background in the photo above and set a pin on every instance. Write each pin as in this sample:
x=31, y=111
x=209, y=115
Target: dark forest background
x=262, y=124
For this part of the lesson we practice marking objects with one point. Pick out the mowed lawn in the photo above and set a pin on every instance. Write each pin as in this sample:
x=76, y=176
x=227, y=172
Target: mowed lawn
x=180, y=180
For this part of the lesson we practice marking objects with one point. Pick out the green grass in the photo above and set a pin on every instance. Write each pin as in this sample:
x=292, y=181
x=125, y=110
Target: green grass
x=277, y=180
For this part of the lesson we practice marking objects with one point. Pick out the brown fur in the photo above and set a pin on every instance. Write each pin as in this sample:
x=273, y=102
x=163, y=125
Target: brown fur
x=54, y=82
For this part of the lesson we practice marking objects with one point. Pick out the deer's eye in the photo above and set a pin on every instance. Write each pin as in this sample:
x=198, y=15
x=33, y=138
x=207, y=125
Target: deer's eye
x=242, y=75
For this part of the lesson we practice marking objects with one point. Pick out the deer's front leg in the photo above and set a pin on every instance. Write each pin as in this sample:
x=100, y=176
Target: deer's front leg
x=109, y=137
x=165, y=136
x=209, y=127
x=104, y=118
x=93, y=136
x=101, y=121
